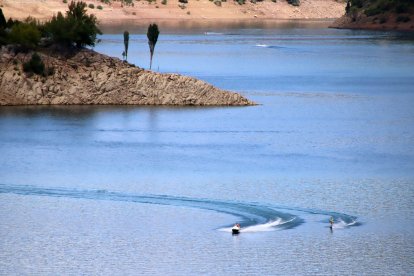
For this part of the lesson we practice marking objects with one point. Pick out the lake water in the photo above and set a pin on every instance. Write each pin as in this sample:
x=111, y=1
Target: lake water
x=120, y=190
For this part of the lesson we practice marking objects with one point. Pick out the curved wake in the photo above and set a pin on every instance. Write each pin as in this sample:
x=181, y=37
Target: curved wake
x=253, y=217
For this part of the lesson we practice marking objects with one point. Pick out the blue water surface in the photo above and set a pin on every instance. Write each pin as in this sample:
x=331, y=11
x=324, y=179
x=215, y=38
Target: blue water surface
x=153, y=190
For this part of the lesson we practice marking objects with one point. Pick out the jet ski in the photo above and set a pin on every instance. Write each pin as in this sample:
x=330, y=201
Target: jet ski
x=236, y=229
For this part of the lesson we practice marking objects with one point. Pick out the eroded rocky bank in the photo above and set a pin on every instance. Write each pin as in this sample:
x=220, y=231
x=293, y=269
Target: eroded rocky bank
x=385, y=22
x=87, y=77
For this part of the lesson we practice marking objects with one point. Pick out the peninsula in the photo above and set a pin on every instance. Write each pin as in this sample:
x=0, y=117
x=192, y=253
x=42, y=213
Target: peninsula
x=87, y=77
x=41, y=65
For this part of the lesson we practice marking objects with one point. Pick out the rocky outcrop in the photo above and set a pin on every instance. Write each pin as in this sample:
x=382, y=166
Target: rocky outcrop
x=385, y=22
x=377, y=15
x=87, y=77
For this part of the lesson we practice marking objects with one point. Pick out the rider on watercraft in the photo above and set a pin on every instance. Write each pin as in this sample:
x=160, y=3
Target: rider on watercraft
x=331, y=221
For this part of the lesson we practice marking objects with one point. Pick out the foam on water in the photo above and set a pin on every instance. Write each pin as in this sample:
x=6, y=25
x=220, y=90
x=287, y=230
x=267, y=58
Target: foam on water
x=265, y=227
x=269, y=46
x=341, y=224
x=213, y=33
x=253, y=217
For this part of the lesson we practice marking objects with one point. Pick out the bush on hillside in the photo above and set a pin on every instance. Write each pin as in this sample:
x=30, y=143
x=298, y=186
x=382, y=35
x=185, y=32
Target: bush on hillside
x=383, y=20
x=25, y=35
x=34, y=65
x=402, y=8
x=357, y=3
x=403, y=18
x=294, y=2
x=372, y=11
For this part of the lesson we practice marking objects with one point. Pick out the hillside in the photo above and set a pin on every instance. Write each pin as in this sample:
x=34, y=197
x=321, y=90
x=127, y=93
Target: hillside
x=115, y=12
x=378, y=15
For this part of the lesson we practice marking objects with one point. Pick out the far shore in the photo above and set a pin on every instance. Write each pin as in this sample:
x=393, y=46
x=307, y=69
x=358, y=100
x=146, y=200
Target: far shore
x=195, y=13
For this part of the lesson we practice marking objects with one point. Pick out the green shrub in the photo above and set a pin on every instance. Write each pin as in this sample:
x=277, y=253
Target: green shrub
x=353, y=13
x=240, y=2
x=385, y=5
x=26, y=35
x=91, y=6
x=403, y=18
x=99, y=7
x=183, y=1
x=65, y=1
x=127, y=2
x=373, y=11
x=401, y=8
x=164, y=2
x=357, y=3
x=76, y=28
x=294, y=2
x=217, y=3
x=34, y=65
x=274, y=1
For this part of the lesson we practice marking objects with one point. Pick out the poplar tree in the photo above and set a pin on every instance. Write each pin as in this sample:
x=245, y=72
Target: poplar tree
x=152, y=35
x=126, y=42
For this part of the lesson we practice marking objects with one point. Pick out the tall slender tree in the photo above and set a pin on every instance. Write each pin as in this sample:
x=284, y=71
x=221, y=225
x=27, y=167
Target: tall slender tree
x=152, y=35
x=3, y=23
x=348, y=7
x=126, y=42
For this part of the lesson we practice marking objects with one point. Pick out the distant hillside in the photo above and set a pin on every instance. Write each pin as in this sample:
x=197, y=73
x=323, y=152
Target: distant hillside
x=115, y=12
x=378, y=15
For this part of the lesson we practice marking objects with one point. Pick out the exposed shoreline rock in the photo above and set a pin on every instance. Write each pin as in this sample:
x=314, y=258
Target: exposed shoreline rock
x=383, y=22
x=86, y=77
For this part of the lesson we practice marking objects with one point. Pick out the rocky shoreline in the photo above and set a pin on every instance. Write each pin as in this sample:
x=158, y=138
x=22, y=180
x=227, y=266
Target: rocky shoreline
x=386, y=22
x=86, y=77
x=377, y=15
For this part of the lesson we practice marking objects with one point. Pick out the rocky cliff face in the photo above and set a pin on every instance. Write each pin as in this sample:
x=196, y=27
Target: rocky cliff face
x=87, y=77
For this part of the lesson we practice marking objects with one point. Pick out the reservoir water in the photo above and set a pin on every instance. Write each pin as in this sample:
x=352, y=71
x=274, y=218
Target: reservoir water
x=132, y=190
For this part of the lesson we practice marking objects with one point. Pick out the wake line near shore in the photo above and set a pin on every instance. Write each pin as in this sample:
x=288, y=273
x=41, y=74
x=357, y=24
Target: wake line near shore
x=253, y=217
